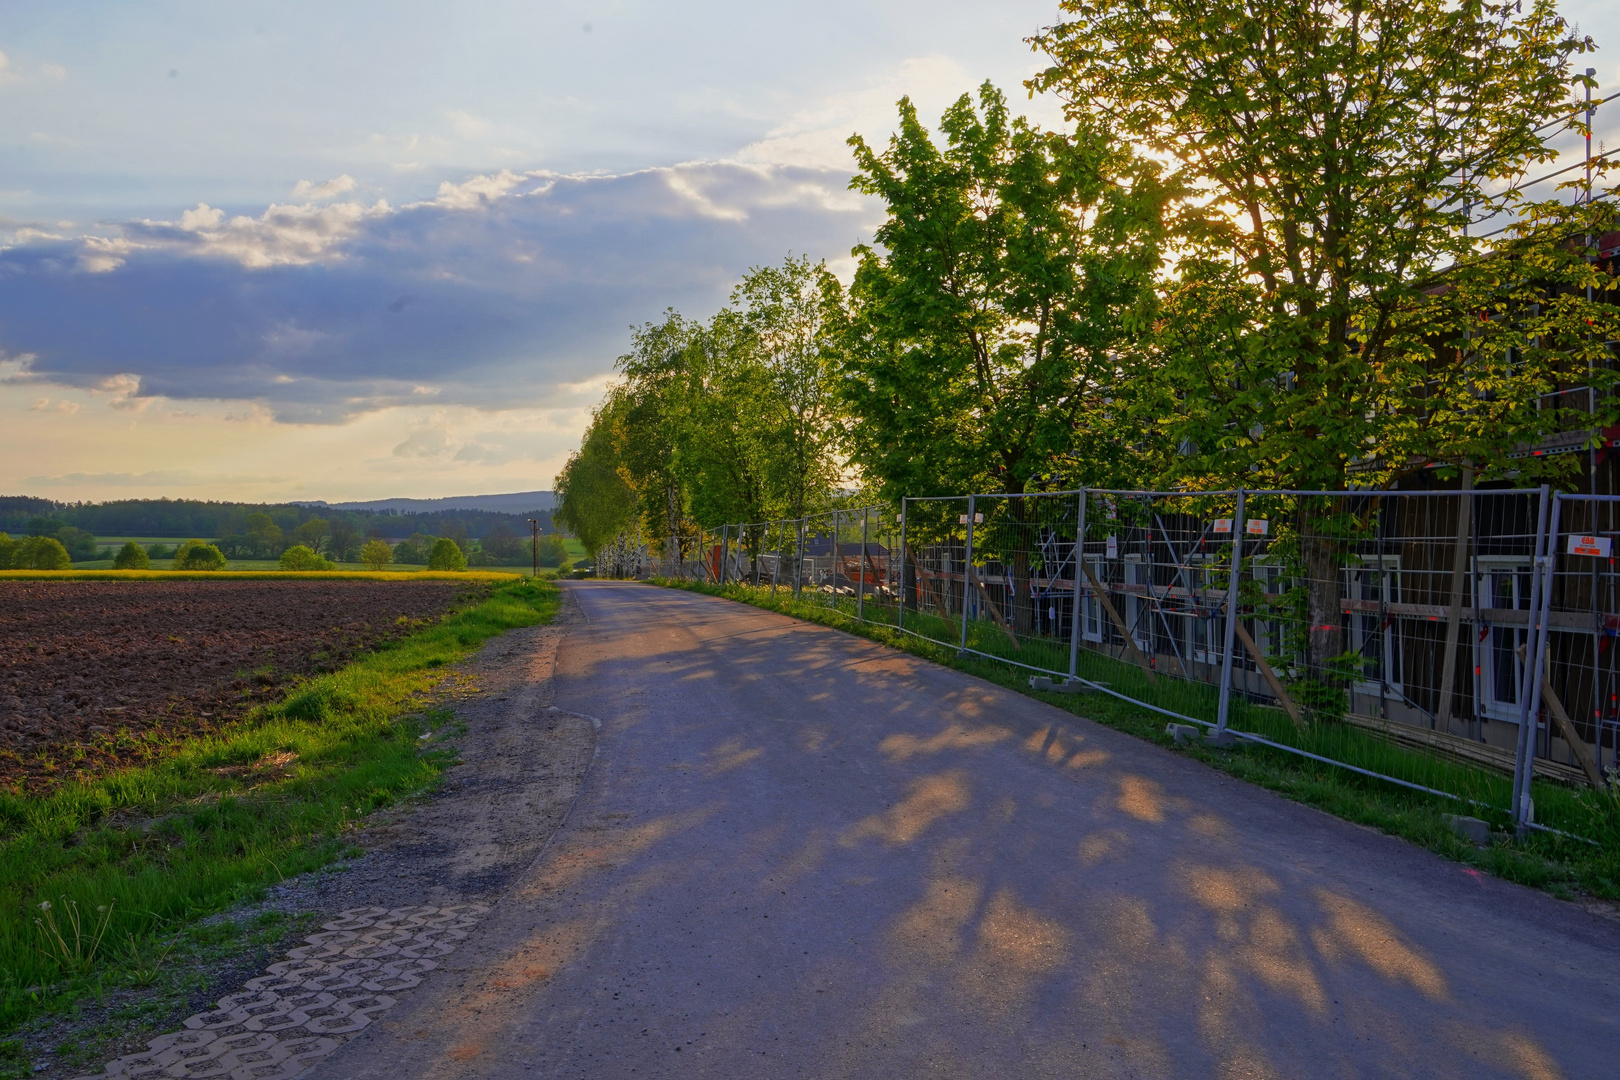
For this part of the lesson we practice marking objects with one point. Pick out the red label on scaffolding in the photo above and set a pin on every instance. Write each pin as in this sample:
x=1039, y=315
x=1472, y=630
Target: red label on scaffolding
x=1599, y=546
x=1222, y=525
x=1258, y=527
x=1113, y=547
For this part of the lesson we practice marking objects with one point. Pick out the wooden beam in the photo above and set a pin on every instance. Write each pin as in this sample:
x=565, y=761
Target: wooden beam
x=1119, y=623
x=1270, y=676
x=995, y=612
x=1555, y=708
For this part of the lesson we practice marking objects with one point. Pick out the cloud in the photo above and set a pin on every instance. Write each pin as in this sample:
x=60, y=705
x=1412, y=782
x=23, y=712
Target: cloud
x=434, y=442
x=331, y=189
x=503, y=291
x=6, y=74
x=156, y=477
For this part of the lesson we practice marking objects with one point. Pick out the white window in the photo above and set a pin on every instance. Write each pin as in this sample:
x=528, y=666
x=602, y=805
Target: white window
x=1270, y=634
x=1137, y=575
x=1374, y=633
x=1207, y=628
x=1091, y=612
x=1502, y=585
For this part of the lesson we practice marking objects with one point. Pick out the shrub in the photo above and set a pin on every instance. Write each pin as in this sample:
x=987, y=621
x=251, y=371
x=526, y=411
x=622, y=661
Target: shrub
x=8, y=548
x=132, y=557
x=299, y=557
x=160, y=551
x=40, y=553
x=198, y=555
x=376, y=554
x=446, y=555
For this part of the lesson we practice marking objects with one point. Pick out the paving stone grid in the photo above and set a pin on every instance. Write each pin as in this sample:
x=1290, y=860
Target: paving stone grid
x=334, y=985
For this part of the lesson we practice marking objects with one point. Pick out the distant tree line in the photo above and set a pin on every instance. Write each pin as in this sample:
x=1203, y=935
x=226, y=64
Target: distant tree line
x=265, y=531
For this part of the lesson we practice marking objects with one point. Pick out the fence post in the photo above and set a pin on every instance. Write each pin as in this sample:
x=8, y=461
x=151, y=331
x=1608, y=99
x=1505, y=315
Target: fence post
x=1074, y=592
x=798, y=557
x=967, y=568
x=776, y=567
x=1224, y=709
x=860, y=590
x=1535, y=644
x=901, y=606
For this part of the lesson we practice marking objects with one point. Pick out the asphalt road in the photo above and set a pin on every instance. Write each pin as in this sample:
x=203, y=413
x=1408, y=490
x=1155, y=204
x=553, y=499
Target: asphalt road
x=799, y=854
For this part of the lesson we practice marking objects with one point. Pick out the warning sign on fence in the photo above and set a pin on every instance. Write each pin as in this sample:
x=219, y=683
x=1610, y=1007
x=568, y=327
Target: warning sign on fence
x=1259, y=527
x=1599, y=546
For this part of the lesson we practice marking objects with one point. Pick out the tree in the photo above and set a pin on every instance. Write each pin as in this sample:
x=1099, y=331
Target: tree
x=446, y=555
x=376, y=554
x=596, y=499
x=344, y=539
x=311, y=533
x=40, y=553
x=8, y=551
x=301, y=559
x=553, y=552
x=791, y=315
x=132, y=557
x=413, y=550
x=986, y=325
x=198, y=555
x=986, y=337
x=1331, y=323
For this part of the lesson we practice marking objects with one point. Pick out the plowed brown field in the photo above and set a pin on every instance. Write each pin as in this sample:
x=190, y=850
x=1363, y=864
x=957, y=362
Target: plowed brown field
x=94, y=674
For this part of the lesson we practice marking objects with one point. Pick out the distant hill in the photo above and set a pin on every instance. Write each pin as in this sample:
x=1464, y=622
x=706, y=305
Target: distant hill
x=519, y=502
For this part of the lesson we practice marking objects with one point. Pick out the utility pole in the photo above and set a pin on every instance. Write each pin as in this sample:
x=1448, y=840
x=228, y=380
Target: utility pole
x=534, y=537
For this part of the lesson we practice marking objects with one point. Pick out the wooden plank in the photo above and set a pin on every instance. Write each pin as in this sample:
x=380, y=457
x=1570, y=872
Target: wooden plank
x=1270, y=676
x=1555, y=708
x=1124, y=631
x=995, y=612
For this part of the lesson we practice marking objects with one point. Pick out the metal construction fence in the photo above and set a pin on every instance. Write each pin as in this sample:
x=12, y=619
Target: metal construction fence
x=1385, y=632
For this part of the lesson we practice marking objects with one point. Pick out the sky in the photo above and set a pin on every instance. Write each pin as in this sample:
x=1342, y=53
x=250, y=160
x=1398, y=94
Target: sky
x=290, y=250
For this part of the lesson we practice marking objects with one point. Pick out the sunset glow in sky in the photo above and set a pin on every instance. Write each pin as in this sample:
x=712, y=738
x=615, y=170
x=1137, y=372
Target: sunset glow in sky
x=293, y=250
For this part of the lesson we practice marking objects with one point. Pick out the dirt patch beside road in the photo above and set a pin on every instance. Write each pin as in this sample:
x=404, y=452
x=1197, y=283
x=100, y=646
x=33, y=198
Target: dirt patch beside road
x=99, y=674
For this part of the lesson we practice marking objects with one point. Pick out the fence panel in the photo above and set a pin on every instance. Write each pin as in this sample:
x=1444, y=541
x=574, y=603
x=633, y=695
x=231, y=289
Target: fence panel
x=1388, y=633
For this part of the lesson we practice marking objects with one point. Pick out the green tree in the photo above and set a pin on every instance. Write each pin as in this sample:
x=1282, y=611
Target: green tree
x=40, y=553
x=988, y=320
x=301, y=559
x=596, y=497
x=553, y=552
x=311, y=533
x=413, y=551
x=792, y=317
x=8, y=551
x=198, y=555
x=446, y=555
x=132, y=557
x=1330, y=322
x=987, y=328
x=376, y=554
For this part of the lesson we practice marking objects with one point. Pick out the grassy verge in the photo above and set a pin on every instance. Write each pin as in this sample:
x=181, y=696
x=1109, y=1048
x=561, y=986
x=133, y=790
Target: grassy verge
x=129, y=861
x=1565, y=867
x=480, y=576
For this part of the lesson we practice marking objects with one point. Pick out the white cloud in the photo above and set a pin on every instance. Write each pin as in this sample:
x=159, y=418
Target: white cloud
x=817, y=135
x=6, y=74
x=466, y=124
x=331, y=189
x=429, y=443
